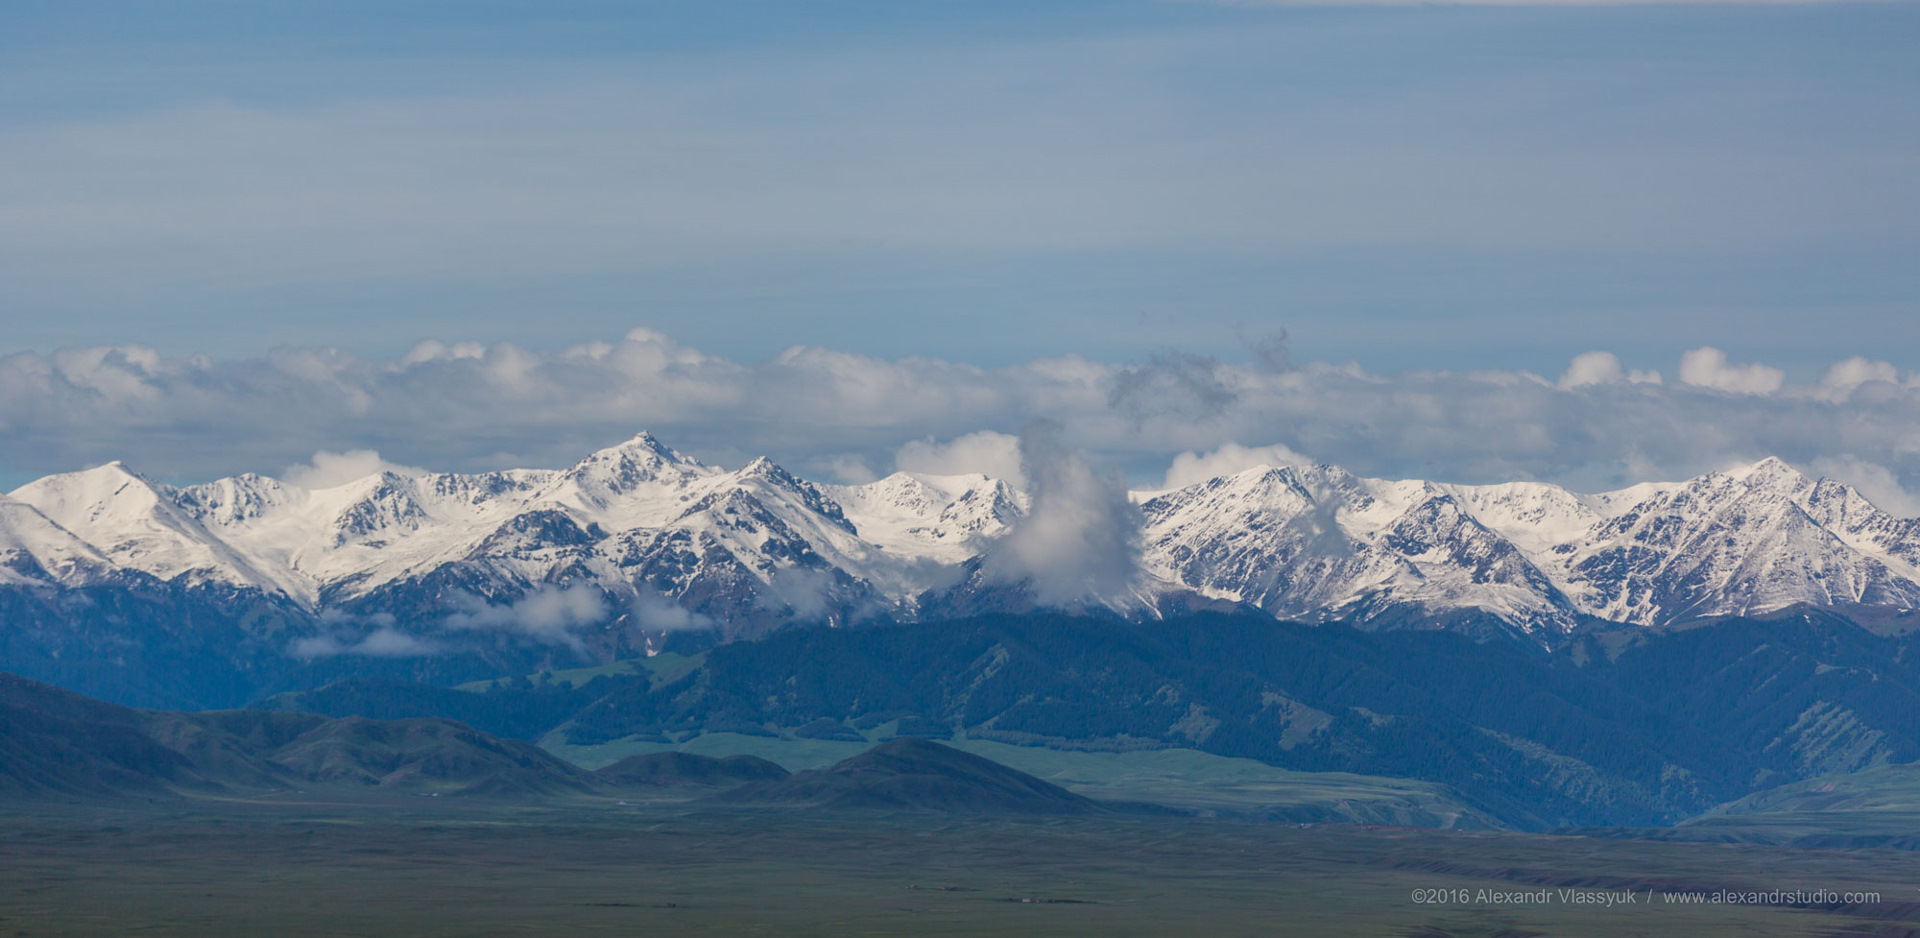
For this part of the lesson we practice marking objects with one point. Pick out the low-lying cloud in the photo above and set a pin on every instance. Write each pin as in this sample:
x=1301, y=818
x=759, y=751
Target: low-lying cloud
x=1080, y=539
x=657, y=613
x=380, y=643
x=1600, y=423
x=551, y=615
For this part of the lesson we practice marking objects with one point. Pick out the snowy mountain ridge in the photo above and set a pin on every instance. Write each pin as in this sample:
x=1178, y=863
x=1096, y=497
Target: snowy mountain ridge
x=673, y=542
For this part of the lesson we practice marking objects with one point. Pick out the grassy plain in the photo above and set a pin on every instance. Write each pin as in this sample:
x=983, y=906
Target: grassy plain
x=317, y=865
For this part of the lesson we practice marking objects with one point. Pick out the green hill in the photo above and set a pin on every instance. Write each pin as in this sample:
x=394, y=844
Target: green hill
x=917, y=775
x=428, y=755
x=685, y=769
x=1888, y=788
x=54, y=743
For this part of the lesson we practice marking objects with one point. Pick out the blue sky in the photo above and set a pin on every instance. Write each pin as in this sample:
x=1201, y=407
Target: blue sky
x=1427, y=187
x=1588, y=242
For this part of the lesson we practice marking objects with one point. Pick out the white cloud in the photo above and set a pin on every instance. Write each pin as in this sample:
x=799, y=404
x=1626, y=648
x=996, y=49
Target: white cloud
x=432, y=350
x=1080, y=537
x=996, y=455
x=389, y=643
x=1849, y=374
x=1708, y=367
x=550, y=614
x=845, y=468
x=661, y=614
x=1876, y=482
x=384, y=642
x=326, y=470
x=823, y=413
x=1589, y=368
x=1191, y=468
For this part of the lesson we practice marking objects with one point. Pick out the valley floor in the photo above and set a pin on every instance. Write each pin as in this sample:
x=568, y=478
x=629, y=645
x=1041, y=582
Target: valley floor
x=318, y=864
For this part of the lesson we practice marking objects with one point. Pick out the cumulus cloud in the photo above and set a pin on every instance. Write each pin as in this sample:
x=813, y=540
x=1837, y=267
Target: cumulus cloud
x=1191, y=468
x=1708, y=367
x=1080, y=539
x=826, y=413
x=1850, y=374
x=326, y=470
x=1589, y=368
x=996, y=455
x=550, y=614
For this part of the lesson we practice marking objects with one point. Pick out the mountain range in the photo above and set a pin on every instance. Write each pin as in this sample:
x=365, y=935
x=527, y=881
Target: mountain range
x=638, y=546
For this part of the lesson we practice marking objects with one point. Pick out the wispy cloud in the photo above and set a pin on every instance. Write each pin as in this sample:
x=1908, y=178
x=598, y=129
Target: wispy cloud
x=550, y=615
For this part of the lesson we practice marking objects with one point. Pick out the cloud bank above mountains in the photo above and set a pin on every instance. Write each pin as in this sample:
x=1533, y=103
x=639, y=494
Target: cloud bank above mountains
x=841, y=416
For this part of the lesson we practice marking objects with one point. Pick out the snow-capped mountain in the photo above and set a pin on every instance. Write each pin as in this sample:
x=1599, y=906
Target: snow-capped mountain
x=665, y=542
x=746, y=549
x=141, y=526
x=945, y=519
x=34, y=551
x=1320, y=542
